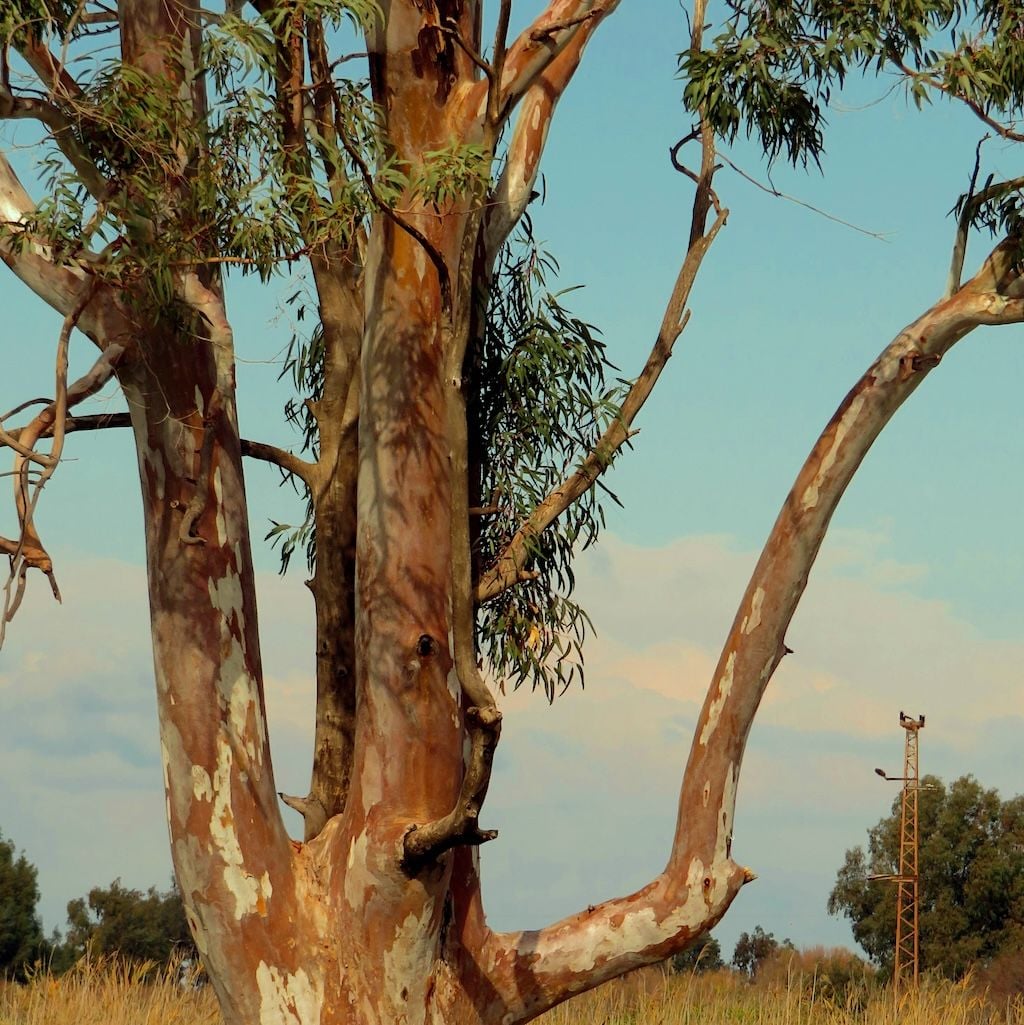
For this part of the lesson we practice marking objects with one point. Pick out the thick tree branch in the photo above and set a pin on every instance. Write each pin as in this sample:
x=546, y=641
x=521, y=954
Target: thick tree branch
x=514, y=189
x=532, y=971
x=564, y=24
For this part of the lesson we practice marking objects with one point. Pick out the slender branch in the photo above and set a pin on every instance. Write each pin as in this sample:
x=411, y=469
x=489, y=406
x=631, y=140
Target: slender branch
x=451, y=29
x=772, y=191
x=287, y=461
x=498, y=62
x=511, y=565
x=972, y=105
x=435, y=257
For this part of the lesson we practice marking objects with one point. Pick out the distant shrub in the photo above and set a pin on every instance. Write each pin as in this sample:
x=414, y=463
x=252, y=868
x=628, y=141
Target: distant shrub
x=831, y=974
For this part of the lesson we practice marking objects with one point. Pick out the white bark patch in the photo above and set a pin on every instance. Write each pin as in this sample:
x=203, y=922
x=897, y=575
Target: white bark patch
x=370, y=778
x=638, y=931
x=218, y=491
x=165, y=759
x=287, y=999
x=810, y=499
x=202, y=786
x=241, y=705
x=200, y=405
x=753, y=620
x=715, y=712
x=408, y=964
x=243, y=886
x=725, y=815
x=175, y=761
x=226, y=595
x=356, y=877
x=152, y=467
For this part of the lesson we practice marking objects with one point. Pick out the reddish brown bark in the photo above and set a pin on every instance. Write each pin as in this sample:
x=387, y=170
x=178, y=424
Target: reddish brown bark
x=378, y=916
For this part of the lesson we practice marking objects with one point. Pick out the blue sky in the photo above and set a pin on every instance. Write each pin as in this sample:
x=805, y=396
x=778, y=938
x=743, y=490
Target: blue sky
x=915, y=603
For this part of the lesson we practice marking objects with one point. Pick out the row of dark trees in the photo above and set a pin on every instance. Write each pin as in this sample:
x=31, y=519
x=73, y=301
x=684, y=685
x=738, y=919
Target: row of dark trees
x=751, y=951
x=113, y=920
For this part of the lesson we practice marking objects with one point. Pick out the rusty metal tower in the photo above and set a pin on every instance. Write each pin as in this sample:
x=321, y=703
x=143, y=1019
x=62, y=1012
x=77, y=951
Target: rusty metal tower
x=907, y=961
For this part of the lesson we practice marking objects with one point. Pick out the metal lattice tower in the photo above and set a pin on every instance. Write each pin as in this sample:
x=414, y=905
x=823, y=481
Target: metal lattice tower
x=905, y=971
x=907, y=961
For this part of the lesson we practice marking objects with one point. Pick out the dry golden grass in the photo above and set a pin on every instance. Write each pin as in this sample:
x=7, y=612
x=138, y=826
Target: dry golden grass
x=107, y=993
x=655, y=997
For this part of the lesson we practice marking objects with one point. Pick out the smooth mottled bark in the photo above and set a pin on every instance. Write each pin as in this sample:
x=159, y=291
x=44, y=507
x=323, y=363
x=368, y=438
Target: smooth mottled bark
x=377, y=916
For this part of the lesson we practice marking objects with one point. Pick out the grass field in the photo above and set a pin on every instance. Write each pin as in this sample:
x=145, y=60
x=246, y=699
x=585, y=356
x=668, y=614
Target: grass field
x=109, y=994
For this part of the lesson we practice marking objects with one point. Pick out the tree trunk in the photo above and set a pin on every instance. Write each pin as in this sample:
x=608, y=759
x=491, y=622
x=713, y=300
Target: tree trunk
x=377, y=917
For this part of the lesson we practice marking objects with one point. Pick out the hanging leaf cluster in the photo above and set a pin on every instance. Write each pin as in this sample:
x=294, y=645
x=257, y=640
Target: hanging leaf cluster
x=771, y=70
x=543, y=401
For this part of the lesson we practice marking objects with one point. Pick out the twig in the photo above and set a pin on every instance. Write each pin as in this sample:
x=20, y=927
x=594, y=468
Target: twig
x=443, y=275
x=772, y=191
x=972, y=203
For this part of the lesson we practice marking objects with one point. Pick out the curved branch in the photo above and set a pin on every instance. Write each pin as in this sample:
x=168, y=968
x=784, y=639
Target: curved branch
x=533, y=971
x=62, y=131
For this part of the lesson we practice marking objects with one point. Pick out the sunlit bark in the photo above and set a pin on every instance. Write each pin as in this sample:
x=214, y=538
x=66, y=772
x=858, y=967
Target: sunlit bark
x=377, y=916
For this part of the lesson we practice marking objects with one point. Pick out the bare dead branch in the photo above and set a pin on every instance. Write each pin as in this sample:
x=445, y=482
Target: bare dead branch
x=772, y=191
x=29, y=550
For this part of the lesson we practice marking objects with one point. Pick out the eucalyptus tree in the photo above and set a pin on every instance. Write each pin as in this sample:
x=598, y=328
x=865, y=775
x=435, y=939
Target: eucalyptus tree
x=455, y=420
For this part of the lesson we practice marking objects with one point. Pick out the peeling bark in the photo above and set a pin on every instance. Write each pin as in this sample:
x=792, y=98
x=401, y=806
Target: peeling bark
x=377, y=916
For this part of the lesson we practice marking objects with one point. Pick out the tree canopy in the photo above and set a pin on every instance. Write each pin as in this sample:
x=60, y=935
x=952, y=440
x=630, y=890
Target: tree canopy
x=754, y=948
x=21, y=932
x=128, y=923
x=971, y=879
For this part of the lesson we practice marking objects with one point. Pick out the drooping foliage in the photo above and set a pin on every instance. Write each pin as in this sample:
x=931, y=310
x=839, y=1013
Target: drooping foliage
x=249, y=198
x=773, y=68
